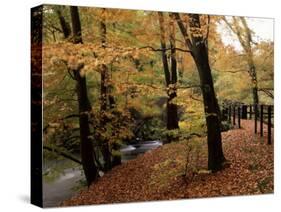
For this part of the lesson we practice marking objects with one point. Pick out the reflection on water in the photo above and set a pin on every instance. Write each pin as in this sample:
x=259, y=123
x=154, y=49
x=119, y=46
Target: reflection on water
x=62, y=179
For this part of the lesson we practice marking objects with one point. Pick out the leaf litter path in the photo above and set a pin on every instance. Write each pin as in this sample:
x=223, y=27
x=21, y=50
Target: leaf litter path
x=158, y=174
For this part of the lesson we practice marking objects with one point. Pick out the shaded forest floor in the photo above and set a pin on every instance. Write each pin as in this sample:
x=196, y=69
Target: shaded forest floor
x=158, y=174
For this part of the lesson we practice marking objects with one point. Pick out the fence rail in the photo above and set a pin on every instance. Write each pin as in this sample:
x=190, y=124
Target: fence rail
x=262, y=113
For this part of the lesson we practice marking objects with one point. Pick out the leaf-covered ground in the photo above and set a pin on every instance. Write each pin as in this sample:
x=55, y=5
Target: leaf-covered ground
x=159, y=174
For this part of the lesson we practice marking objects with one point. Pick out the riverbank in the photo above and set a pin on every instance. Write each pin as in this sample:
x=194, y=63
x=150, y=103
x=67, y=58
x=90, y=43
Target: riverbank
x=159, y=173
x=64, y=178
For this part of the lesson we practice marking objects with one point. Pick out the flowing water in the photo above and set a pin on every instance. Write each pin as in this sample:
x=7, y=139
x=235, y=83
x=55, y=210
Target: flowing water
x=63, y=179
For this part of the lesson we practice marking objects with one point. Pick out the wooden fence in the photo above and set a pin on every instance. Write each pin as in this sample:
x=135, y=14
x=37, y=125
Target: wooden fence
x=233, y=113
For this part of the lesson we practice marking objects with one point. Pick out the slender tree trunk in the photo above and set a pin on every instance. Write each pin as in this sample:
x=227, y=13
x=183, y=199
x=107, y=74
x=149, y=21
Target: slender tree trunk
x=65, y=26
x=248, y=49
x=170, y=77
x=253, y=74
x=255, y=95
x=181, y=66
x=105, y=148
x=244, y=34
x=116, y=158
x=172, y=108
x=86, y=145
x=163, y=46
x=111, y=99
x=254, y=84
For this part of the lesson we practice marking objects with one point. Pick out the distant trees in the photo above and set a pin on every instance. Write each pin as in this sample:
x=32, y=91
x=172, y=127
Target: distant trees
x=240, y=28
x=196, y=43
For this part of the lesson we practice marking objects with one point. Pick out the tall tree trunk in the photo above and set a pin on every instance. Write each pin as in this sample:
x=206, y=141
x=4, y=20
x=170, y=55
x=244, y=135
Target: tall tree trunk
x=65, y=26
x=255, y=95
x=212, y=111
x=170, y=76
x=116, y=158
x=86, y=145
x=254, y=87
x=172, y=107
x=253, y=75
x=248, y=49
x=163, y=46
x=199, y=53
x=105, y=148
x=215, y=153
x=111, y=99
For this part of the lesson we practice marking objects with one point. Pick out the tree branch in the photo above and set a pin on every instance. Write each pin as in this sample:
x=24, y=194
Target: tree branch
x=183, y=30
x=141, y=84
x=189, y=86
x=71, y=116
x=192, y=97
x=164, y=49
x=71, y=76
x=62, y=153
x=267, y=92
x=234, y=72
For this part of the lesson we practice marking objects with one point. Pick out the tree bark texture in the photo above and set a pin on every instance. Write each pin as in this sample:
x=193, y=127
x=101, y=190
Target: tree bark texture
x=104, y=92
x=199, y=53
x=84, y=107
x=170, y=73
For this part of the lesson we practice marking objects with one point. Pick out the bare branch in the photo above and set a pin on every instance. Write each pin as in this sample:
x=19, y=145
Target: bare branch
x=267, y=92
x=71, y=116
x=183, y=30
x=189, y=86
x=142, y=84
x=164, y=49
x=192, y=97
x=71, y=76
x=234, y=72
x=62, y=153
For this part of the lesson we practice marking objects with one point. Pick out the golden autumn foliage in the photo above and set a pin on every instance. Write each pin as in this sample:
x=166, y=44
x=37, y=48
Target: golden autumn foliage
x=121, y=60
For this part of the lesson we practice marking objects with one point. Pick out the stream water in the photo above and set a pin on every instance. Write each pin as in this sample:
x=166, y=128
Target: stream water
x=67, y=177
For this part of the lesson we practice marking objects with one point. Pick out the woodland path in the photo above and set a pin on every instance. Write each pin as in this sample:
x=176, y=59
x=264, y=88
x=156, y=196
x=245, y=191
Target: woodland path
x=157, y=175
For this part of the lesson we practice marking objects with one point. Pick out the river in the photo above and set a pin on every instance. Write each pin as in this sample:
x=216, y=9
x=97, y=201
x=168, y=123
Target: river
x=67, y=177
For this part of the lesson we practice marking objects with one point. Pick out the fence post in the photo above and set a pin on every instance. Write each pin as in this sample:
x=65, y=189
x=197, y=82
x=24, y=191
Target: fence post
x=244, y=111
x=251, y=111
x=229, y=114
x=261, y=121
x=234, y=114
x=239, y=114
x=269, y=125
x=256, y=117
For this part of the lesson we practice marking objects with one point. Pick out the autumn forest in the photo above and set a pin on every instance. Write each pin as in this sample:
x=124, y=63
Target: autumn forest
x=148, y=105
